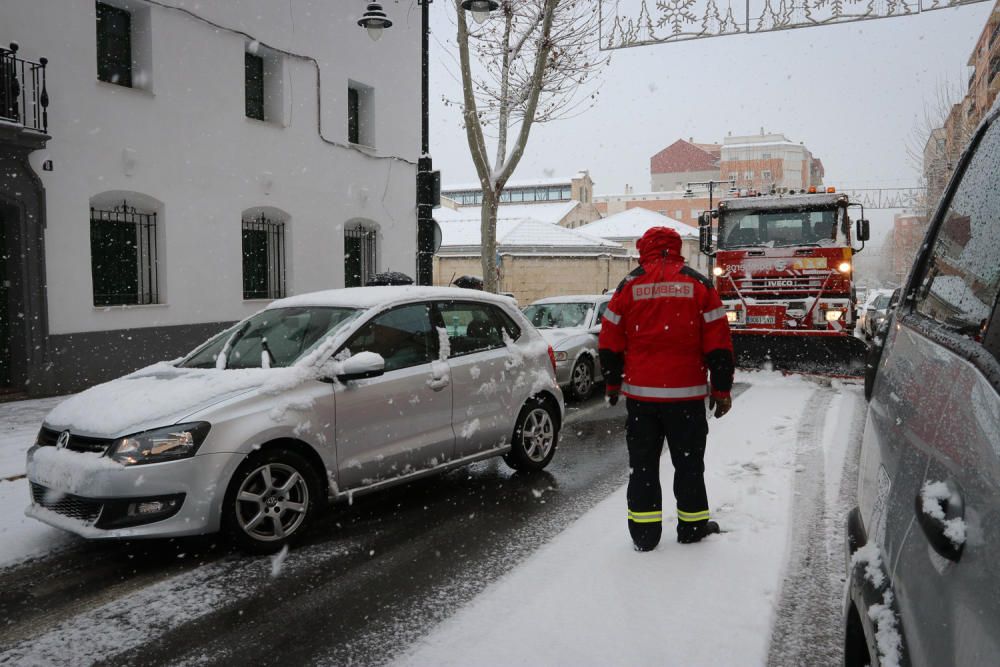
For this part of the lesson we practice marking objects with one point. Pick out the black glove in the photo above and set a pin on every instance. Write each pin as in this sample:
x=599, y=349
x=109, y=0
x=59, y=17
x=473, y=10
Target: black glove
x=611, y=396
x=721, y=405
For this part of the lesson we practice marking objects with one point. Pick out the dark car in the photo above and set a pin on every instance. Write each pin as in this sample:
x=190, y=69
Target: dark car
x=922, y=543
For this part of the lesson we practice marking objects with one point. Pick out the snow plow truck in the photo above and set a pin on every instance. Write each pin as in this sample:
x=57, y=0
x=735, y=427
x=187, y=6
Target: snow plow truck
x=783, y=266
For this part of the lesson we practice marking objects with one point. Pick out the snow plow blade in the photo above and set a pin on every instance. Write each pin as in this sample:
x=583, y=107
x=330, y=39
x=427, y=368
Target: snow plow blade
x=836, y=355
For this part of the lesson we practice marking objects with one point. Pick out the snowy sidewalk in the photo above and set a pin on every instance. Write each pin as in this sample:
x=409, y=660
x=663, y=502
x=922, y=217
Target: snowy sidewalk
x=587, y=598
x=21, y=537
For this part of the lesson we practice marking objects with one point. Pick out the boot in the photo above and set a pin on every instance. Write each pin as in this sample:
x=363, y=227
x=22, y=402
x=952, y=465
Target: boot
x=697, y=532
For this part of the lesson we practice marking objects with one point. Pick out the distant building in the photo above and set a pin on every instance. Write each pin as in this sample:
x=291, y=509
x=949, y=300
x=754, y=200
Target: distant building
x=908, y=229
x=679, y=205
x=568, y=202
x=537, y=259
x=628, y=227
x=765, y=161
x=683, y=162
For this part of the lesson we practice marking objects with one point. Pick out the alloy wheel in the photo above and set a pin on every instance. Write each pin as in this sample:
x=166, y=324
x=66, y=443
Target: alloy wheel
x=271, y=502
x=582, y=380
x=538, y=434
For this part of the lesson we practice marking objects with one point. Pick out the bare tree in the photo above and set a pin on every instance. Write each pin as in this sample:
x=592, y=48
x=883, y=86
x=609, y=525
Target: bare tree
x=535, y=60
x=937, y=140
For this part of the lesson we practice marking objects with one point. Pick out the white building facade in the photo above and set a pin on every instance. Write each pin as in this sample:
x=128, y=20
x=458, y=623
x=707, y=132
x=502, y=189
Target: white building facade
x=198, y=161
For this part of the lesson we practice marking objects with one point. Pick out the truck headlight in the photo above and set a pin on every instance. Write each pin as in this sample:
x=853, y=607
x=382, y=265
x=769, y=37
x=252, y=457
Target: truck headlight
x=732, y=316
x=834, y=315
x=845, y=267
x=162, y=444
x=717, y=271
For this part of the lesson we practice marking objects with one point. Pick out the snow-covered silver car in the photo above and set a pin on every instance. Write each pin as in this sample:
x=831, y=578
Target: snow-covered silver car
x=320, y=396
x=571, y=324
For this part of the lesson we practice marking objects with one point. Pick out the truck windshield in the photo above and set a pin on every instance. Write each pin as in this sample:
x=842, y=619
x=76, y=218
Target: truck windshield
x=778, y=229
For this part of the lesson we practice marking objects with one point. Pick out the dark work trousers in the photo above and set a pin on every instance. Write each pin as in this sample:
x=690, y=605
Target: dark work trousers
x=685, y=427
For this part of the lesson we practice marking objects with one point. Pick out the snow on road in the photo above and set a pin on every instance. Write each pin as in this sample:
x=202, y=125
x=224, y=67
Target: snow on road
x=587, y=598
x=774, y=474
x=21, y=537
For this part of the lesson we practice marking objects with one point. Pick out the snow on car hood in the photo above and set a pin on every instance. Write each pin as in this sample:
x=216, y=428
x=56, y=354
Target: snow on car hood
x=556, y=336
x=160, y=395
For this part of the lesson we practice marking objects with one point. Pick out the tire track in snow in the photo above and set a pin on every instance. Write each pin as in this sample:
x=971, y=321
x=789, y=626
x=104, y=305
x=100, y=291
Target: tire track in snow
x=807, y=626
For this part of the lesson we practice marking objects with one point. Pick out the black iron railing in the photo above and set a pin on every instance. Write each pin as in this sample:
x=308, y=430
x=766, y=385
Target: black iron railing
x=359, y=256
x=23, y=97
x=263, y=258
x=123, y=256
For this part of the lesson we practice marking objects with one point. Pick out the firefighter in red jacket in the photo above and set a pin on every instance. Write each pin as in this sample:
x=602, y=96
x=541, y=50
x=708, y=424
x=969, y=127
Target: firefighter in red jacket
x=663, y=332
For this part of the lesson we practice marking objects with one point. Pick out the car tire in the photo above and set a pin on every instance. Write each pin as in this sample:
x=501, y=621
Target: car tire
x=270, y=500
x=535, y=436
x=581, y=379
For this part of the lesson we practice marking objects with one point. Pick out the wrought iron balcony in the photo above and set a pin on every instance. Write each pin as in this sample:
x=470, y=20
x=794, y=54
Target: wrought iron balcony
x=23, y=97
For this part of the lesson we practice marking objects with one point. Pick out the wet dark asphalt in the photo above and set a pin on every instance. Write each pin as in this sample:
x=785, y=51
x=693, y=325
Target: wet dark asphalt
x=366, y=581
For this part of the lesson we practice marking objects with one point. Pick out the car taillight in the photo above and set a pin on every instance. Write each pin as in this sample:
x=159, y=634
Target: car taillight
x=552, y=358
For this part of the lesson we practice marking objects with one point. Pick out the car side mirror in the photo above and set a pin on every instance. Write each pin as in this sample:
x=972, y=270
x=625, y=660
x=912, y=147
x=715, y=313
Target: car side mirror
x=361, y=366
x=863, y=229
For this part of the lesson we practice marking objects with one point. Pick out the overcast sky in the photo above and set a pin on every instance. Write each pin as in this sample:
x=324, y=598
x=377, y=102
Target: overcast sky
x=852, y=93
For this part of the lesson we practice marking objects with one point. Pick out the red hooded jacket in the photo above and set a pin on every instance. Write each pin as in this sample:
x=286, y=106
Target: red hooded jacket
x=665, y=329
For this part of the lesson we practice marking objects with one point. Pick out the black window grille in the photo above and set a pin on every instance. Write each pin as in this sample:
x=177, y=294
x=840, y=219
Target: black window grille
x=254, y=73
x=123, y=259
x=114, y=45
x=263, y=258
x=359, y=256
x=353, y=116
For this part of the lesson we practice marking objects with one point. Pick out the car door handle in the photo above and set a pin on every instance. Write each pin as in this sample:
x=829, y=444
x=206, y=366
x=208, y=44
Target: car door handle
x=943, y=520
x=437, y=384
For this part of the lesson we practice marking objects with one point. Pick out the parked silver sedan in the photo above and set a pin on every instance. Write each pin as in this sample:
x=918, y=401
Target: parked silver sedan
x=320, y=396
x=571, y=324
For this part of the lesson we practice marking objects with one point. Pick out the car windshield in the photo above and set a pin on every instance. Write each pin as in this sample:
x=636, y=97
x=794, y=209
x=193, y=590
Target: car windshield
x=782, y=228
x=273, y=338
x=881, y=302
x=558, y=315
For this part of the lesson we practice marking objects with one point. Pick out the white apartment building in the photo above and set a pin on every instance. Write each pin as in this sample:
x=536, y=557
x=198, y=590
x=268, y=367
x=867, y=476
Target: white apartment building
x=197, y=161
x=769, y=160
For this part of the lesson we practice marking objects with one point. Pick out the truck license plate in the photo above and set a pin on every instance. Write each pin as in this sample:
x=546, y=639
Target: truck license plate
x=760, y=319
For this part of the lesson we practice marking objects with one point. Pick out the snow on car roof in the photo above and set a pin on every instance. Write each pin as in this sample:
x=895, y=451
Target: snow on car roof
x=573, y=298
x=633, y=223
x=368, y=297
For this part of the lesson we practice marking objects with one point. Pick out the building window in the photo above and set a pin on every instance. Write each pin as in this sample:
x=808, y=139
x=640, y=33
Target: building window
x=766, y=175
x=766, y=156
x=253, y=68
x=678, y=214
x=263, y=258
x=359, y=255
x=114, y=45
x=748, y=174
x=123, y=259
x=360, y=114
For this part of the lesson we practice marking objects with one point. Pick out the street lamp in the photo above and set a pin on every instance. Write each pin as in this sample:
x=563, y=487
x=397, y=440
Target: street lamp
x=428, y=181
x=374, y=21
x=480, y=8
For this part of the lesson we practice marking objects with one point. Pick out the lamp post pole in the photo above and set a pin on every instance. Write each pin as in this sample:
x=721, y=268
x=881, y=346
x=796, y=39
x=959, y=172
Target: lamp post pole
x=711, y=189
x=425, y=169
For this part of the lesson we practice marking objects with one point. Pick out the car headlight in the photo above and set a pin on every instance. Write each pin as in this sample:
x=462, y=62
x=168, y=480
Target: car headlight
x=562, y=356
x=162, y=444
x=834, y=315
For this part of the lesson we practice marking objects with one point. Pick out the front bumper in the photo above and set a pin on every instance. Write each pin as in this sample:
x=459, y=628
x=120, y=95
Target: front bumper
x=90, y=495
